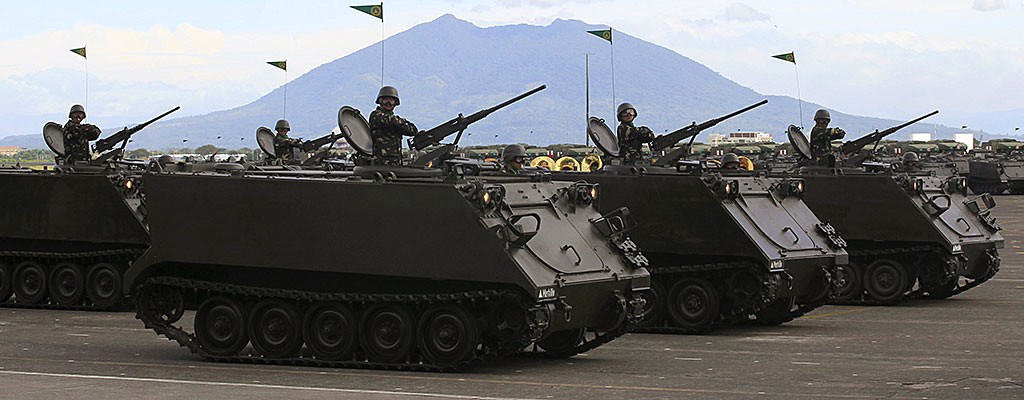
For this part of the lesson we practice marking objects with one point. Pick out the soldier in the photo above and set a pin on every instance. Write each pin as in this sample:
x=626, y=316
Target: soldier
x=911, y=162
x=282, y=143
x=387, y=129
x=77, y=135
x=730, y=161
x=631, y=138
x=512, y=159
x=821, y=139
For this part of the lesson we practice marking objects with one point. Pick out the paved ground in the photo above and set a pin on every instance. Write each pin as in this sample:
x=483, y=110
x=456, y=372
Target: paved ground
x=971, y=346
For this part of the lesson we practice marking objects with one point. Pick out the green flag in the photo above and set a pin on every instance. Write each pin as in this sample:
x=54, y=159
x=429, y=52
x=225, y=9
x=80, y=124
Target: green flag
x=280, y=64
x=376, y=10
x=80, y=51
x=786, y=57
x=603, y=34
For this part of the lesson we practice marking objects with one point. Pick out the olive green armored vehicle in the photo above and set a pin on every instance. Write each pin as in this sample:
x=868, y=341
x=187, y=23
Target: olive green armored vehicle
x=389, y=267
x=69, y=232
x=724, y=246
x=908, y=233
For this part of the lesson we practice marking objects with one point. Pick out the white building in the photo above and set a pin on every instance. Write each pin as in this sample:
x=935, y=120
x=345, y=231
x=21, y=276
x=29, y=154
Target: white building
x=715, y=139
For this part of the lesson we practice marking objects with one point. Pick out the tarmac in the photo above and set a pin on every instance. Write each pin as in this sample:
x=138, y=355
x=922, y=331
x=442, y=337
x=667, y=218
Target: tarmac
x=968, y=346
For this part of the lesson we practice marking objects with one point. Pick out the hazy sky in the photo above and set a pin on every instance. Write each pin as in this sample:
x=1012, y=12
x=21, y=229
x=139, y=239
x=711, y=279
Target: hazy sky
x=893, y=59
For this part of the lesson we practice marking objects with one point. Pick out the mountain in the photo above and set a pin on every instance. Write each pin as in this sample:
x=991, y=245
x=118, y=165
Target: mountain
x=449, y=66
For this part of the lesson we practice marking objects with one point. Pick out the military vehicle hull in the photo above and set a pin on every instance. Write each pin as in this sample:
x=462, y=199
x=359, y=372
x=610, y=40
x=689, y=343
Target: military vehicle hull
x=908, y=235
x=66, y=239
x=986, y=176
x=396, y=273
x=717, y=258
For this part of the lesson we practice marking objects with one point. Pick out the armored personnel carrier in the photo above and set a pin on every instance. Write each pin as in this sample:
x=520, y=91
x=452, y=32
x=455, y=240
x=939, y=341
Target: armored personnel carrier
x=724, y=246
x=390, y=267
x=69, y=232
x=909, y=233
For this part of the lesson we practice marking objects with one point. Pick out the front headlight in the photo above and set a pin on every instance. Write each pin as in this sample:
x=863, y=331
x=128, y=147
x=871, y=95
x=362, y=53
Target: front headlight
x=583, y=193
x=792, y=187
x=731, y=188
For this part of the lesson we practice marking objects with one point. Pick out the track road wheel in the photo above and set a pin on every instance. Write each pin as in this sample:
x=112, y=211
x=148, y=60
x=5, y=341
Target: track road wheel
x=161, y=305
x=852, y=286
x=693, y=304
x=104, y=285
x=67, y=284
x=886, y=281
x=654, y=309
x=331, y=331
x=220, y=326
x=29, y=283
x=388, y=333
x=5, y=283
x=275, y=329
x=448, y=334
x=562, y=343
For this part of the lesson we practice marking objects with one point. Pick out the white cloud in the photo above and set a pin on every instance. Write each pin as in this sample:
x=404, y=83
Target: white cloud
x=989, y=5
x=743, y=12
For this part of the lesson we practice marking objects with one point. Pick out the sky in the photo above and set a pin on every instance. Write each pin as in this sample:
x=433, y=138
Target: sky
x=879, y=58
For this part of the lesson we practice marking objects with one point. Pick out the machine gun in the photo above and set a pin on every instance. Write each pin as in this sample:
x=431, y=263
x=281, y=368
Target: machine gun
x=319, y=142
x=455, y=125
x=106, y=144
x=854, y=148
x=667, y=140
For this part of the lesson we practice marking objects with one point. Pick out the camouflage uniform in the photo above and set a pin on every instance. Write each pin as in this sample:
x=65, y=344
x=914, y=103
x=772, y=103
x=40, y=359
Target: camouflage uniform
x=387, y=130
x=508, y=170
x=283, y=146
x=821, y=145
x=76, y=140
x=631, y=140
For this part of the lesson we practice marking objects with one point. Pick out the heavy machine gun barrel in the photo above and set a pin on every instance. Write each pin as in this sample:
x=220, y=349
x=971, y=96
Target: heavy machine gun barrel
x=108, y=143
x=670, y=139
x=319, y=142
x=855, y=146
x=460, y=123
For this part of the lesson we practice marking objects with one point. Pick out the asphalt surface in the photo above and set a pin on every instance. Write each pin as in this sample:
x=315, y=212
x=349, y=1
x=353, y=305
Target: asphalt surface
x=969, y=346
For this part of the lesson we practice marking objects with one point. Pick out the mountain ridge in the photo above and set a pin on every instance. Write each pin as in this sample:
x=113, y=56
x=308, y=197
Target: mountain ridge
x=449, y=66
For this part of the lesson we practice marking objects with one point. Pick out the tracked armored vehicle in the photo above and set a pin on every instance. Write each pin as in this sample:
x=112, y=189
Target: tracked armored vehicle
x=69, y=232
x=390, y=267
x=909, y=233
x=723, y=246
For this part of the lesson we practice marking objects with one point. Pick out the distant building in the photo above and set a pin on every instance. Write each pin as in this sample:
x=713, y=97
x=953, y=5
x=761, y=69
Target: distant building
x=921, y=137
x=9, y=151
x=716, y=139
x=965, y=138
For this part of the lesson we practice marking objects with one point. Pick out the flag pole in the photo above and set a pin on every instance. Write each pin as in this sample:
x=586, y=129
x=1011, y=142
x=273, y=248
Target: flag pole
x=799, y=98
x=612, y=45
x=382, y=37
x=587, y=80
x=285, y=111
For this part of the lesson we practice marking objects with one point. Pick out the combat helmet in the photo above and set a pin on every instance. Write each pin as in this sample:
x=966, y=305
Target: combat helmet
x=623, y=107
x=730, y=158
x=822, y=114
x=512, y=151
x=76, y=108
x=388, y=91
x=282, y=124
x=910, y=157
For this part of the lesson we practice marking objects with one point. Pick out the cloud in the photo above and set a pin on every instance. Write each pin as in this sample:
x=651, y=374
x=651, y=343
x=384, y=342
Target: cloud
x=989, y=5
x=743, y=12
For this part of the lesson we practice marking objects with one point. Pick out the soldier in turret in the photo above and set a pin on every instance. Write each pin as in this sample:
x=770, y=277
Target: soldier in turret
x=387, y=129
x=631, y=137
x=821, y=139
x=77, y=135
x=512, y=159
x=911, y=162
x=730, y=161
x=283, y=144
